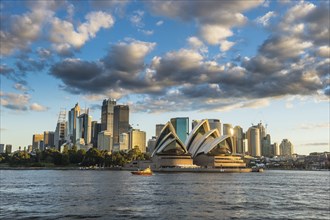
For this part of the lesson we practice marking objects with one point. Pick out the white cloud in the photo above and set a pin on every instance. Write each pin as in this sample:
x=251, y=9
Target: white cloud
x=37, y=107
x=264, y=20
x=136, y=18
x=14, y=101
x=159, y=23
x=197, y=44
x=226, y=45
x=215, y=34
x=324, y=51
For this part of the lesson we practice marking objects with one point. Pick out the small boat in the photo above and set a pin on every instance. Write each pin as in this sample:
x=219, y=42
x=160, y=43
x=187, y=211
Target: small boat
x=145, y=172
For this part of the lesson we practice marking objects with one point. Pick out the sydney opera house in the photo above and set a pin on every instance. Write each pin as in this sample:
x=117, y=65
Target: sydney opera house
x=204, y=147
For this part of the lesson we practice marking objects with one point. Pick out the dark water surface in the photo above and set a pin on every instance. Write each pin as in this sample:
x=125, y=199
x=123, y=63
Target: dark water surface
x=76, y=194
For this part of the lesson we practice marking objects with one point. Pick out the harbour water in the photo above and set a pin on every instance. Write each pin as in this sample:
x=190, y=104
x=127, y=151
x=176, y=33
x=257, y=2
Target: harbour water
x=90, y=194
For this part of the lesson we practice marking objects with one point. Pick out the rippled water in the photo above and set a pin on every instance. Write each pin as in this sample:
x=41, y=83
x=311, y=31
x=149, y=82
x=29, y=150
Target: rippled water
x=75, y=194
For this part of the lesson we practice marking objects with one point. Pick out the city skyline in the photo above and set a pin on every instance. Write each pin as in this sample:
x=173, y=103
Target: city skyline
x=240, y=62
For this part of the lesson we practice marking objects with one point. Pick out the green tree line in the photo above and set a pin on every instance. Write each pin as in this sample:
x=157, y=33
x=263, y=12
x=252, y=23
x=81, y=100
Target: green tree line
x=73, y=157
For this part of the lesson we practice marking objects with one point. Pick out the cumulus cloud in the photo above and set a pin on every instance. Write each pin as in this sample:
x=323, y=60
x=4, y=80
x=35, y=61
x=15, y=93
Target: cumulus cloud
x=14, y=101
x=64, y=35
x=215, y=19
x=264, y=20
x=136, y=18
x=37, y=107
x=159, y=23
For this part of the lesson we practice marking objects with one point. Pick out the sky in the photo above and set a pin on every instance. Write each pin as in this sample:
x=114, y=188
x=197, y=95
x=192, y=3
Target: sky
x=242, y=62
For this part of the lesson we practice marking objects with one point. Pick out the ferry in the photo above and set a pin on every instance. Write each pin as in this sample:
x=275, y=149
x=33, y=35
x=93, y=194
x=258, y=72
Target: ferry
x=145, y=172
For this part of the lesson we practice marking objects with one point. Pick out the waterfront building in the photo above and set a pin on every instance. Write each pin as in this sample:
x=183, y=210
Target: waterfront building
x=2, y=148
x=107, y=113
x=36, y=138
x=123, y=144
x=137, y=138
x=169, y=149
x=72, y=122
x=238, y=139
x=49, y=138
x=262, y=135
x=84, y=129
x=181, y=126
x=59, y=135
x=96, y=129
x=253, y=136
x=266, y=146
x=9, y=148
x=228, y=129
x=151, y=144
x=245, y=145
x=120, y=121
x=276, y=148
x=104, y=141
x=159, y=128
x=286, y=148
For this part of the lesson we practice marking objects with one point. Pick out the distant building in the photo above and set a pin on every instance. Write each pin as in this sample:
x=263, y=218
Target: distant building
x=123, y=144
x=137, y=138
x=215, y=124
x=9, y=148
x=228, y=129
x=36, y=138
x=49, y=138
x=59, y=135
x=266, y=146
x=276, y=148
x=181, y=126
x=120, y=121
x=84, y=128
x=238, y=139
x=29, y=148
x=72, y=122
x=159, y=128
x=253, y=136
x=96, y=129
x=2, y=148
x=151, y=144
x=286, y=148
x=107, y=113
x=104, y=141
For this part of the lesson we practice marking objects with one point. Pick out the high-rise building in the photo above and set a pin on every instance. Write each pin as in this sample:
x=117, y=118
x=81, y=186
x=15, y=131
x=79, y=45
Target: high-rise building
x=59, y=135
x=286, y=148
x=49, y=138
x=228, y=129
x=123, y=143
x=159, y=128
x=9, y=148
x=36, y=138
x=253, y=136
x=84, y=128
x=215, y=124
x=266, y=146
x=181, y=126
x=72, y=122
x=107, y=115
x=2, y=148
x=238, y=139
x=152, y=144
x=104, y=141
x=262, y=133
x=137, y=138
x=120, y=121
x=96, y=129
x=276, y=148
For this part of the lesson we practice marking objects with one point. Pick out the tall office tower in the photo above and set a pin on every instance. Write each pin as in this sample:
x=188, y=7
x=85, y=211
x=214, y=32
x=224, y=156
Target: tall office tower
x=107, y=115
x=72, y=122
x=181, y=126
x=215, y=124
x=152, y=144
x=36, y=138
x=276, y=148
x=84, y=129
x=96, y=129
x=49, y=138
x=266, y=146
x=60, y=131
x=238, y=139
x=137, y=138
x=104, y=141
x=286, y=148
x=253, y=136
x=122, y=145
x=159, y=128
x=9, y=148
x=2, y=148
x=262, y=132
x=120, y=121
x=228, y=129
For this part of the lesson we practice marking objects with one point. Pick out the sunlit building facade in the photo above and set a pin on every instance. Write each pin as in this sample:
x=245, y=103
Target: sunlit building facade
x=137, y=138
x=286, y=148
x=253, y=136
x=181, y=126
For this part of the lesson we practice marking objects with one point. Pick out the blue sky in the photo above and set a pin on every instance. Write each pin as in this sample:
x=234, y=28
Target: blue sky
x=239, y=61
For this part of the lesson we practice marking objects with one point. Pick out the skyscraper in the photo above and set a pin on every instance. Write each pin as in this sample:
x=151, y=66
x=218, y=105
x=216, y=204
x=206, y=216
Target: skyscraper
x=84, y=128
x=107, y=115
x=159, y=128
x=228, y=129
x=120, y=121
x=215, y=124
x=72, y=122
x=60, y=131
x=2, y=148
x=48, y=138
x=238, y=139
x=181, y=126
x=137, y=138
x=36, y=138
x=266, y=147
x=96, y=128
x=286, y=148
x=253, y=136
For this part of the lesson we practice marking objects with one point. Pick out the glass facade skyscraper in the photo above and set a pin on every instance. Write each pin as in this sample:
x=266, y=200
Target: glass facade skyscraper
x=181, y=126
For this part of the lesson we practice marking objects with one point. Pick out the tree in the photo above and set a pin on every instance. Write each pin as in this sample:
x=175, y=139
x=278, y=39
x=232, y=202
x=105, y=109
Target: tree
x=20, y=157
x=93, y=157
